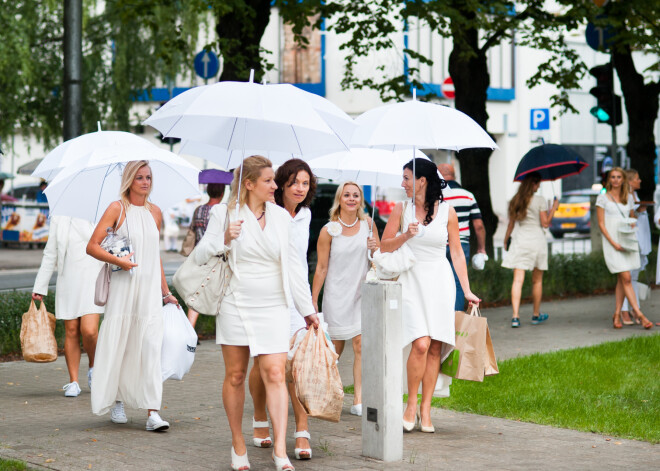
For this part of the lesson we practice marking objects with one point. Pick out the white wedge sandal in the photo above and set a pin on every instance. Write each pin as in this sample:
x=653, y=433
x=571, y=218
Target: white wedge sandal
x=303, y=453
x=239, y=462
x=282, y=464
x=261, y=442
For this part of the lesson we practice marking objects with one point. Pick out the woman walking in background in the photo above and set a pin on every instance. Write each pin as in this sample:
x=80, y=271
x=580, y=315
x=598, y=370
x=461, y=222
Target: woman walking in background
x=296, y=186
x=74, y=294
x=613, y=209
x=254, y=316
x=128, y=355
x=428, y=288
x=528, y=248
x=200, y=219
x=342, y=265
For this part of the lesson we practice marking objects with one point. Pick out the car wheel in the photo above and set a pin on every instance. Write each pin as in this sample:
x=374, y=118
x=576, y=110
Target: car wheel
x=557, y=235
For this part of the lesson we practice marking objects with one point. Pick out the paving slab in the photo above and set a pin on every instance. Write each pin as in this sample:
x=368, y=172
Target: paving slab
x=39, y=425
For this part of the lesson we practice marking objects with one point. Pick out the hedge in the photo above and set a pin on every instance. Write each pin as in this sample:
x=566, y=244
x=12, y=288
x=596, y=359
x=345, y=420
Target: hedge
x=567, y=275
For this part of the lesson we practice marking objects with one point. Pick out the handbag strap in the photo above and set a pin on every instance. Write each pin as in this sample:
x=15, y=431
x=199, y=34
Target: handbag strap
x=615, y=204
x=475, y=311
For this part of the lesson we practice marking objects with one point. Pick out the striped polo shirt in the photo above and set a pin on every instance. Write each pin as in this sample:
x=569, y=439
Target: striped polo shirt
x=465, y=206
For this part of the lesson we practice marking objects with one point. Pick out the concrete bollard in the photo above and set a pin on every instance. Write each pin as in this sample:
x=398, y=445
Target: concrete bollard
x=382, y=427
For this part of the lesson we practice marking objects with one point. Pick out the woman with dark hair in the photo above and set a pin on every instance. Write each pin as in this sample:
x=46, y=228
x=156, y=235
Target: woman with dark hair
x=428, y=288
x=296, y=186
x=254, y=314
x=199, y=222
x=528, y=249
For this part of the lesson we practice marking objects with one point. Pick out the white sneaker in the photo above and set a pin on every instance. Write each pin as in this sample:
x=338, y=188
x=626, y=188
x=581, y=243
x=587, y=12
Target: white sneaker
x=89, y=377
x=356, y=410
x=155, y=423
x=117, y=414
x=71, y=389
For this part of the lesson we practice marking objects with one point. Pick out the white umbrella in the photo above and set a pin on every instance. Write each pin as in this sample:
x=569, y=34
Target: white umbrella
x=418, y=125
x=239, y=116
x=87, y=187
x=81, y=147
x=228, y=160
x=364, y=166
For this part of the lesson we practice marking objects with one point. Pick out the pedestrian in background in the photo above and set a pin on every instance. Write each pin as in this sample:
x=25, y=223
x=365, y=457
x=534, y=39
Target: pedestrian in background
x=342, y=266
x=254, y=318
x=171, y=230
x=643, y=230
x=526, y=244
x=613, y=208
x=428, y=291
x=127, y=367
x=296, y=186
x=200, y=219
x=74, y=292
x=467, y=211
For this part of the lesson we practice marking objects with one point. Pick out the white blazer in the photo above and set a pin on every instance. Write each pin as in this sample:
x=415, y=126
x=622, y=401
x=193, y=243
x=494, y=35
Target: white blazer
x=66, y=250
x=294, y=277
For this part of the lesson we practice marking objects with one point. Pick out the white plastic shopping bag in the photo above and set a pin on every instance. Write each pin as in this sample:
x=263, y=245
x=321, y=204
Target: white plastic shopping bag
x=179, y=343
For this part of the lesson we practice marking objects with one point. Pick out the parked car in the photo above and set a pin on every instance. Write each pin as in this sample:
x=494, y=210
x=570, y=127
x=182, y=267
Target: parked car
x=325, y=195
x=573, y=214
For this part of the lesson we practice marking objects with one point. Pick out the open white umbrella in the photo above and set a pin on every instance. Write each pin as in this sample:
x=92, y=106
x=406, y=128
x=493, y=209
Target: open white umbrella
x=365, y=166
x=418, y=125
x=87, y=187
x=244, y=116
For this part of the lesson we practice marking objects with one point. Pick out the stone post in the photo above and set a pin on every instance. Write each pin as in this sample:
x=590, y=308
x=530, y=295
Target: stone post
x=595, y=234
x=382, y=341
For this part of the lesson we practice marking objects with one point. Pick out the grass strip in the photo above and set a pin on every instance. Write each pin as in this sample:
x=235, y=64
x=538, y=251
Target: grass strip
x=12, y=465
x=612, y=389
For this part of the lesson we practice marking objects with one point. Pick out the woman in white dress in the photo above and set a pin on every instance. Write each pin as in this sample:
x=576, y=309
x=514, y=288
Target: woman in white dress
x=528, y=249
x=254, y=318
x=296, y=186
x=342, y=265
x=428, y=288
x=127, y=367
x=612, y=209
x=643, y=231
x=74, y=294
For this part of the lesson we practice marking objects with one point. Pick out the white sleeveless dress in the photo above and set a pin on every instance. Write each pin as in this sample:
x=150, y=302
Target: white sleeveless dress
x=127, y=364
x=428, y=289
x=342, y=295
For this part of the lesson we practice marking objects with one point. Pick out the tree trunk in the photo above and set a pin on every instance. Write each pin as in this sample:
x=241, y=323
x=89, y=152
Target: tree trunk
x=471, y=81
x=641, y=102
x=240, y=31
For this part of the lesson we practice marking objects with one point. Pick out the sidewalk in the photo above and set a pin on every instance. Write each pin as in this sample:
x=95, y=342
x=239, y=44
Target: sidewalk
x=40, y=426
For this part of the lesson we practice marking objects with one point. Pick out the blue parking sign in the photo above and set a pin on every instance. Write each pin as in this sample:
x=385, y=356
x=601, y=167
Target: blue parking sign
x=539, y=119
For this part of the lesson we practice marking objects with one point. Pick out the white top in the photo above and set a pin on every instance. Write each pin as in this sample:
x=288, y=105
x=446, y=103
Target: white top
x=615, y=260
x=300, y=239
x=66, y=250
x=643, y=229
x=529, y=246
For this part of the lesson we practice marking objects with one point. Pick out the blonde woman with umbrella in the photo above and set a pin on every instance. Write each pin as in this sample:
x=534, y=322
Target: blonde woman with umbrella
x=254, y=315
x=127, y=369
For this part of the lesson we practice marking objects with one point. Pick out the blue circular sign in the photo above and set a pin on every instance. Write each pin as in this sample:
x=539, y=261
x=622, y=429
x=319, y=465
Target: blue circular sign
x=598, y=38
x=207, y=64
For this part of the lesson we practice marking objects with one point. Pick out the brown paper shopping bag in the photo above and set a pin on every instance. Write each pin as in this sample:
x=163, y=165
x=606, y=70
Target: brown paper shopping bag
x=38, y=342
x=476, y=357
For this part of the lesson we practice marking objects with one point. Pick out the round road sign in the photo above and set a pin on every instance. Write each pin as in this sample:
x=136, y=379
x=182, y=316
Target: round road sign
x=447, y=88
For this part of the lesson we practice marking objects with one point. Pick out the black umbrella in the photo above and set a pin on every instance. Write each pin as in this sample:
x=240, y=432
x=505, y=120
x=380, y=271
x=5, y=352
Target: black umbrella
x=551, y=161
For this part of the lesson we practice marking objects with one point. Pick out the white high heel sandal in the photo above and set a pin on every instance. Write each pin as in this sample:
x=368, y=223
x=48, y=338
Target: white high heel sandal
x=303, y=453
x=261, y=442
x=282, y=464
x=239, y=462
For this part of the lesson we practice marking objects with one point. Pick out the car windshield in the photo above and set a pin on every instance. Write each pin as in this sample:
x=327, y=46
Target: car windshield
x=574, y=199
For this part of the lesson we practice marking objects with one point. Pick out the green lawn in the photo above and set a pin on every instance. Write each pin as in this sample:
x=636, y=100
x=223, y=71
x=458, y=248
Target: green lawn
x=12, y=465
x=611, y=389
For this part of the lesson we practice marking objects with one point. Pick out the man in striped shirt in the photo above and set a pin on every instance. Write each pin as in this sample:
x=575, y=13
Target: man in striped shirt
x=467, y=211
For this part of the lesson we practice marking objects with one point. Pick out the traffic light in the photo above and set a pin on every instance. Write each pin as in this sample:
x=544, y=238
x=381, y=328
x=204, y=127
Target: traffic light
x=608, y=107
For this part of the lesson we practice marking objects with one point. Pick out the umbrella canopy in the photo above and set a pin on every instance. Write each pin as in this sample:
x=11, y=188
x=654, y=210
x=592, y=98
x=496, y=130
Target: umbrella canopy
x=551, y=161
x=421, y=125
x=6, y=176
x=87, y=187
x=28, y=168
x=230, y=159
x=247, y=115
x=213, y=175
x=364, y=166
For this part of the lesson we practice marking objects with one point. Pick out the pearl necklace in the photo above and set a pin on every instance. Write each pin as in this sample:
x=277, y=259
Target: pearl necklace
x=348, y=225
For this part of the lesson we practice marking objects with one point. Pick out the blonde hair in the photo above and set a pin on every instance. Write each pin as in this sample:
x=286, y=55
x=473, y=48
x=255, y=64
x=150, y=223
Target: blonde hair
x=127, y=177
x=625, y=187
x=334, y=211
x=252, y=167
x=519, y=203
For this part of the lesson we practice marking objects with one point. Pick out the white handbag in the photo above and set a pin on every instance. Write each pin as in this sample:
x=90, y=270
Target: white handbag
x=389, y=265
x=179, y=343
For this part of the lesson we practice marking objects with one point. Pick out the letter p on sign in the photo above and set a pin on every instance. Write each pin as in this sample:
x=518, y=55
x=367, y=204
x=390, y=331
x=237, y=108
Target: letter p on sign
x=539, y=119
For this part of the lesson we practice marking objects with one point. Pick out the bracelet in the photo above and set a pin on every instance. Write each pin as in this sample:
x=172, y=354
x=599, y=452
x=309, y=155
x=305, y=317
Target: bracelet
x=169, y=293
